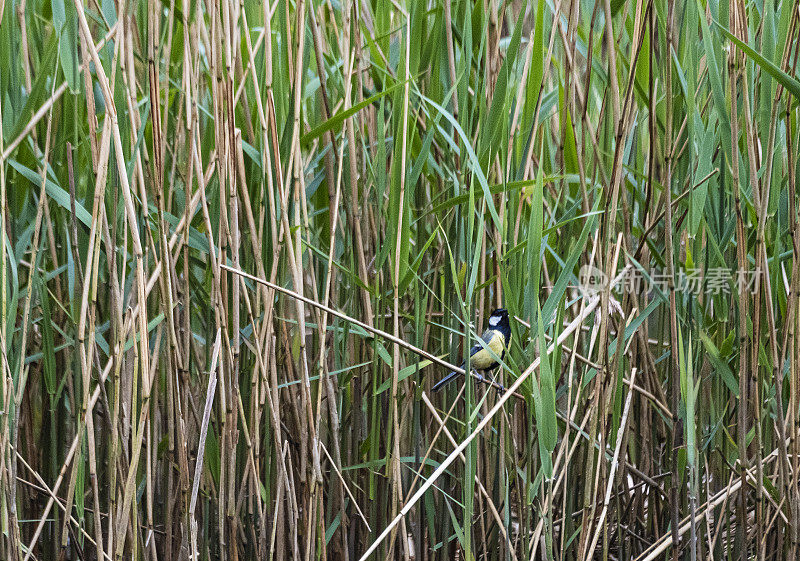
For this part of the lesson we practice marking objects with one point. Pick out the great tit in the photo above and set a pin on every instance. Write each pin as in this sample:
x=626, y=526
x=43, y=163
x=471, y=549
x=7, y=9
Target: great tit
x=497, y=338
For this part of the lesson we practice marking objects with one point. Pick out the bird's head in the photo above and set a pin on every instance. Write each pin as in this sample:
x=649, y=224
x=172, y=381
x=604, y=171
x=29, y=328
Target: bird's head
x=499, y=318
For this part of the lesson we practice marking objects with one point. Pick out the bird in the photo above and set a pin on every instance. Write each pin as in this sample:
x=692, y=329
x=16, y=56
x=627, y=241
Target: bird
x=497, y=337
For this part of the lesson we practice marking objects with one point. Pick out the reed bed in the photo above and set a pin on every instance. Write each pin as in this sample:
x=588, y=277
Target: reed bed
x=242, y=240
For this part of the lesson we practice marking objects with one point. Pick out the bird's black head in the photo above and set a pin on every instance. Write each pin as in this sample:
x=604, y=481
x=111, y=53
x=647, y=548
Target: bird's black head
x=499, y=319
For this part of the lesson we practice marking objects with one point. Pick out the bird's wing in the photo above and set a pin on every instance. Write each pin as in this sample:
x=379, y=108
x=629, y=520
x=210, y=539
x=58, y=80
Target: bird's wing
x=488, y=336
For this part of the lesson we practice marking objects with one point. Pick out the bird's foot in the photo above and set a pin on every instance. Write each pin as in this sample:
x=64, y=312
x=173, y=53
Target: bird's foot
x=484, y=380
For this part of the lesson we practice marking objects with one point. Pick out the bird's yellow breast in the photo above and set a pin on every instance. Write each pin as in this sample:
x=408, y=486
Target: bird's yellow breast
x=483, y=359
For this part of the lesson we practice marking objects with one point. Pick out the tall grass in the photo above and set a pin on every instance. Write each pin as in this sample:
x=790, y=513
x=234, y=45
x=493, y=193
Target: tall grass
x=241, y=241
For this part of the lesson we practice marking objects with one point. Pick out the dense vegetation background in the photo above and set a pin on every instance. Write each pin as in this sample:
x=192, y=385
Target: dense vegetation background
x=386, y=173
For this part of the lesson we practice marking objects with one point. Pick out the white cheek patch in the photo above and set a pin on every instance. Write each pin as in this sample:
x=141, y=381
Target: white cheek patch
x=494, y=320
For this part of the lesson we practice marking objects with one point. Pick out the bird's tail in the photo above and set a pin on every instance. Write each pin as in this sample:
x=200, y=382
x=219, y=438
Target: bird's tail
x=444, y=381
